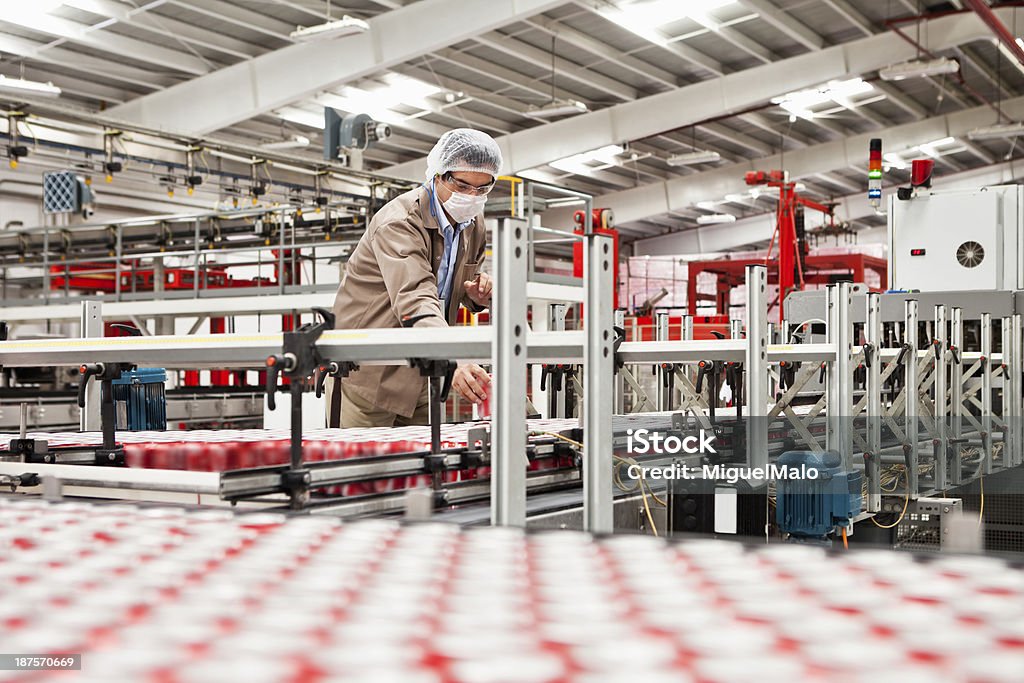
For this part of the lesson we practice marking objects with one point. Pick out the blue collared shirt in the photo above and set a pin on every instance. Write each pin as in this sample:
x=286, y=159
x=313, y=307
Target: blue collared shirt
x=446, y=272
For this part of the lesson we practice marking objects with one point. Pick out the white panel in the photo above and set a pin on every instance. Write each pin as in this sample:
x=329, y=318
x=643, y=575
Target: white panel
x=938, y=224
x=726, y=501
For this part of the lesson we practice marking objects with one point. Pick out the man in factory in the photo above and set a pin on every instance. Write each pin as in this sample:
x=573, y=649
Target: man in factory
x=417, y=262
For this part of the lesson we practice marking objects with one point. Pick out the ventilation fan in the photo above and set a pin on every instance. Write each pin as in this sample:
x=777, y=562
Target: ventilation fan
x=970, y=254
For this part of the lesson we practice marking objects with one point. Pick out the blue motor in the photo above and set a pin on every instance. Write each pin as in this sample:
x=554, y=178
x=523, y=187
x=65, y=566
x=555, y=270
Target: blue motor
x=141, y=392
x=813, y=508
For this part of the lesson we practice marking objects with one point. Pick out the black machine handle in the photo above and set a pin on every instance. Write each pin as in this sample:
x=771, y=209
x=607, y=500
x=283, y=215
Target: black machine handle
x=276, y=364
x=88, y=371
x=703, y=368
x=322, y=372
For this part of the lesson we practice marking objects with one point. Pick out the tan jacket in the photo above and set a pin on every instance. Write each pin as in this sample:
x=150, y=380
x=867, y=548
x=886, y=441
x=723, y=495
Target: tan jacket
x=392, y=275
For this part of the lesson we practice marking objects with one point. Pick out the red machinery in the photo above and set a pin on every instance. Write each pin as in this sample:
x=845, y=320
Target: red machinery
x=796, y=268
x=602, y=222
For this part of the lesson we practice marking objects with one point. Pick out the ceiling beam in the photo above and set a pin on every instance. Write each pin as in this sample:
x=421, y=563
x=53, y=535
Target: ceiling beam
x=707, y=99
x=110, y=43
x=679, y=193
x=852, y=15
x=502, y=74
x=678, y=48
x=277, y=78
x=165, y=26
x=518, y=49
x=785, y=22
x=605, y=51
x=79, y=62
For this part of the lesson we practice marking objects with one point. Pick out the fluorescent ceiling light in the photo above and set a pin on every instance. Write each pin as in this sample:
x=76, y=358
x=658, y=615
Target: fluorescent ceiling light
x=707, y=206
x=380, y=102
x=894, y=160
x=716, y=219
x=697, y=156
x=293, y=142
x=556, y=108
x=800, y=104
x=1009, y=54
x=19, y=86
x=346, y=26
x=580, y=164
x=645, y=17
x=932, y=150
x=919, y=68
x=1001, y=130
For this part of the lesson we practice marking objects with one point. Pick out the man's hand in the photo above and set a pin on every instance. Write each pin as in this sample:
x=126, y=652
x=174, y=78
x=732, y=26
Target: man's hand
x=471, y=381
x=479, y=290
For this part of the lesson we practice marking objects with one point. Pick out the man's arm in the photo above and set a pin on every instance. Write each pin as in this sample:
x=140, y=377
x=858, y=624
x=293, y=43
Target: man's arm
x=404, y=262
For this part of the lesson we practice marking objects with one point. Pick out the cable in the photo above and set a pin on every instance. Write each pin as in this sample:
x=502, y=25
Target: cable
x=906, y=504
x=644, y=490
x=846, y=543
x=981, y=507
x=647, y=509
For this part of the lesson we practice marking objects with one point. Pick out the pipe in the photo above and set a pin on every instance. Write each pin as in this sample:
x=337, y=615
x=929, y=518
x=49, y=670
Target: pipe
x=1002, y=33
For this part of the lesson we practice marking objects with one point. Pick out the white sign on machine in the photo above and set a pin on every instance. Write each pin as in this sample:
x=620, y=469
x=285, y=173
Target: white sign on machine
x=958, y=240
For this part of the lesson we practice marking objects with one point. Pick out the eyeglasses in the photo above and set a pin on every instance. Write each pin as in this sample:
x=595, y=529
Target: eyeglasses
x=466, y=188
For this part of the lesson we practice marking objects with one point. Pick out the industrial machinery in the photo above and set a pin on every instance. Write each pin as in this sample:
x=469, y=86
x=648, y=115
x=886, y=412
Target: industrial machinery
x=957, y=240
x=794, y=268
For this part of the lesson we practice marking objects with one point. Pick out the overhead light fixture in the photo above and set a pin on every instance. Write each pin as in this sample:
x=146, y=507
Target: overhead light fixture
x=1001, y=130
x=799, y=104
x=716, y=219
x=293, y=142
x=557, y=108
x=578, y=164
x=1008, y=53
x=19, y=86
x=346, y=26
x=932, y=150
x=645, y=17
x=697, y=156
x=918, y=68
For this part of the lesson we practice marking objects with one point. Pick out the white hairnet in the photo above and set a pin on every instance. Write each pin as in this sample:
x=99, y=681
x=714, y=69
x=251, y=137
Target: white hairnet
x=464, y=149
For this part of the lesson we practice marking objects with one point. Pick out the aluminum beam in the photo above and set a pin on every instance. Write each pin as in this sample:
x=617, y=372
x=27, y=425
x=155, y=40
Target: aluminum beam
x=729, y=94
x=278, y=78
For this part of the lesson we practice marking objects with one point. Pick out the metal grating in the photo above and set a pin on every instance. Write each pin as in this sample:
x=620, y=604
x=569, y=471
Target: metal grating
x=60, y=192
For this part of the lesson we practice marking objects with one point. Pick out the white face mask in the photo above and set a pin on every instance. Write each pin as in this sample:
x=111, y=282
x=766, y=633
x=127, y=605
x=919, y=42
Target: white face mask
x=464, y=207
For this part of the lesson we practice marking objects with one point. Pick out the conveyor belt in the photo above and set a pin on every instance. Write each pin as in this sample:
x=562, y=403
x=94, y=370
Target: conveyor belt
x=162, y=594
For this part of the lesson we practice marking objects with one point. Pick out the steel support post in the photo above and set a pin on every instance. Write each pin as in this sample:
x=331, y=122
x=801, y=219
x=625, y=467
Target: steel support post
x=91, y=328
x=663, y=397
x=1008, y=363
x=912, y=406
x=686, y=334
x=873, y=387
x=831, y=370
x=986, y=392
x=620, y=381
x=508, y=362
x=940, y=444
x=756, y=367
x=1016, y=456
x=598, y=382
x=555, y=395
x=956, y=392
x=843, y=414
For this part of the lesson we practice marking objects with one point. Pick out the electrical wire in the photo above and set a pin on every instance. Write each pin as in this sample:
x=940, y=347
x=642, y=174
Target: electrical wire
x=644, y=490
x=906, y=504
x=981, y=506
